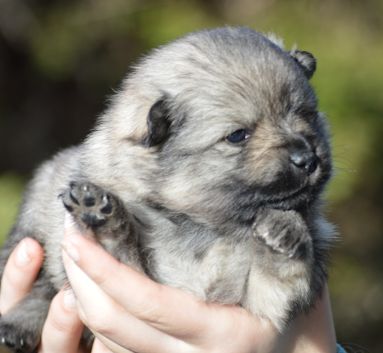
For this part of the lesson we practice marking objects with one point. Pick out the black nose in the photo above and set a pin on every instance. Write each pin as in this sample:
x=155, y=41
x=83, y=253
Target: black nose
x=304, y=159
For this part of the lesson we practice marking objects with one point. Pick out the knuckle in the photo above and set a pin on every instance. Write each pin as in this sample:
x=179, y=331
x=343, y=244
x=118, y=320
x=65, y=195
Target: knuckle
x=62, y=324
x=58, y=325
x=61, y=320
x=151, y=315
x=149, y=308
x=98, y=325
x=101, y=277
x=97, y=321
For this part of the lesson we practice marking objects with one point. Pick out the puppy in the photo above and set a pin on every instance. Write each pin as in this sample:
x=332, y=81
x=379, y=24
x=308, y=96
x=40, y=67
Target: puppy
x=205, y=172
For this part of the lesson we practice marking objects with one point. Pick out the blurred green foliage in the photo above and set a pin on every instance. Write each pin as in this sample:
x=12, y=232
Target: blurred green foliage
x=81, y=50
x=11, y=187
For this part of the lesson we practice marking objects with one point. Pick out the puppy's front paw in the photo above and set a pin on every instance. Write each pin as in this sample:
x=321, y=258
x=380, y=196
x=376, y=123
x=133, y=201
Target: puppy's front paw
x=17, y=339
x=89, y=203
x=284, y=232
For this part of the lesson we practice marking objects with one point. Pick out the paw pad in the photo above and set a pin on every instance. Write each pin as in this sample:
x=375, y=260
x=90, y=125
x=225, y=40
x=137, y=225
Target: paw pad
x=88, y=203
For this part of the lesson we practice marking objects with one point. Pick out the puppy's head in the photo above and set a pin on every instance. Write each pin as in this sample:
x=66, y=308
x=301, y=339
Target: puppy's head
x=229, y=123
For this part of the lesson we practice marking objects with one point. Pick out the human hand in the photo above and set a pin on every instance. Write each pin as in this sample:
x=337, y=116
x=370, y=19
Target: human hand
x=128, y=312
x=63, y=327
x=311, y=333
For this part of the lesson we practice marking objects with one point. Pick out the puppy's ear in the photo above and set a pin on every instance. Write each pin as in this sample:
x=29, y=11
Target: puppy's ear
x=158, y=124
x=306, y=61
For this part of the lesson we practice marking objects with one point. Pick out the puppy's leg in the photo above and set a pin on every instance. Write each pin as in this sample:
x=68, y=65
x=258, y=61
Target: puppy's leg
x=21, y=327
x=94, y=208
x=279, y=282
x=284, y=232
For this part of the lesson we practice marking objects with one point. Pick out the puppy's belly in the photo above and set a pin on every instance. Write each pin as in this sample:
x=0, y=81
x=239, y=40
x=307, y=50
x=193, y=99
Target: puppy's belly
x=245, y=272
x=219, y=274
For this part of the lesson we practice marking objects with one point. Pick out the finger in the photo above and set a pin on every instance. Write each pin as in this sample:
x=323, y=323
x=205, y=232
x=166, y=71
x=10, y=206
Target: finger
x=20, y=272
x=63, y=328
x=160, y=306
x=100, y=347
x=105, y=317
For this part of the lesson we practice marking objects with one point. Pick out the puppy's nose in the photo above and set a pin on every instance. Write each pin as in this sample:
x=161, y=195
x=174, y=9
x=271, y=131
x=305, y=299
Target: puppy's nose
x=304, y=159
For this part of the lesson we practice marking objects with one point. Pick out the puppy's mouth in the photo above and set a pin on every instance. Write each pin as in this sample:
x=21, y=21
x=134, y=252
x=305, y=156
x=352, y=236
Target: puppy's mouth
x=290, y=200
x=288, y=194
x=298, y=196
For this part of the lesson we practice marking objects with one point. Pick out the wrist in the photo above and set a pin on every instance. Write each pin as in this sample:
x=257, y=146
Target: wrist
x=312, y=332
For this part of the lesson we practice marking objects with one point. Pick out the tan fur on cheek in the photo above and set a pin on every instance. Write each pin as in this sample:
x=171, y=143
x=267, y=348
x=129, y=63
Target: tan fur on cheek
x=264, y=157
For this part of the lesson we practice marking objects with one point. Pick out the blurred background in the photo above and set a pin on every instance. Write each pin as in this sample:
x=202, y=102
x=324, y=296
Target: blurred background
x=60, y=60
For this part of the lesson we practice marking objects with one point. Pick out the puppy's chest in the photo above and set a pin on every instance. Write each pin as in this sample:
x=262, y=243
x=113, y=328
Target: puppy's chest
x=214, y=270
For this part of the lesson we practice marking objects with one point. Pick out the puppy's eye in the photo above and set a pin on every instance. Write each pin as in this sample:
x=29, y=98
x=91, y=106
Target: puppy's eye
x=238, y=136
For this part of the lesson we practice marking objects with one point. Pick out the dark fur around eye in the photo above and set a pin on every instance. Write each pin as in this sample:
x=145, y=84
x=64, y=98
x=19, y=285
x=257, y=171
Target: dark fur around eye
x=238, y=136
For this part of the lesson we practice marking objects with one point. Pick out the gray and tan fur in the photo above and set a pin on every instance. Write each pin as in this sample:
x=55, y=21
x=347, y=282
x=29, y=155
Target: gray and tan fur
x=206, y=172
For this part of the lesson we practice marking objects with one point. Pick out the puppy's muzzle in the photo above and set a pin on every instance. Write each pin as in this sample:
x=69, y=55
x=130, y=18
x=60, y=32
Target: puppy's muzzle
x=302, y=157
x=306, y=161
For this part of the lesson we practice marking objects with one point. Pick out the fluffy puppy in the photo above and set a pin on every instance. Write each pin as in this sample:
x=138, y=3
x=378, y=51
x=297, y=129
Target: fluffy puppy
x=205, y=172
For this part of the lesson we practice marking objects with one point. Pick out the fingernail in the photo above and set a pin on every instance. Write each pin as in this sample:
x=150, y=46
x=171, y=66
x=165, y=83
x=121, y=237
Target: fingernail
x=69, y=299
x=68, y=222
x=23, y=256
x=68, y=243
